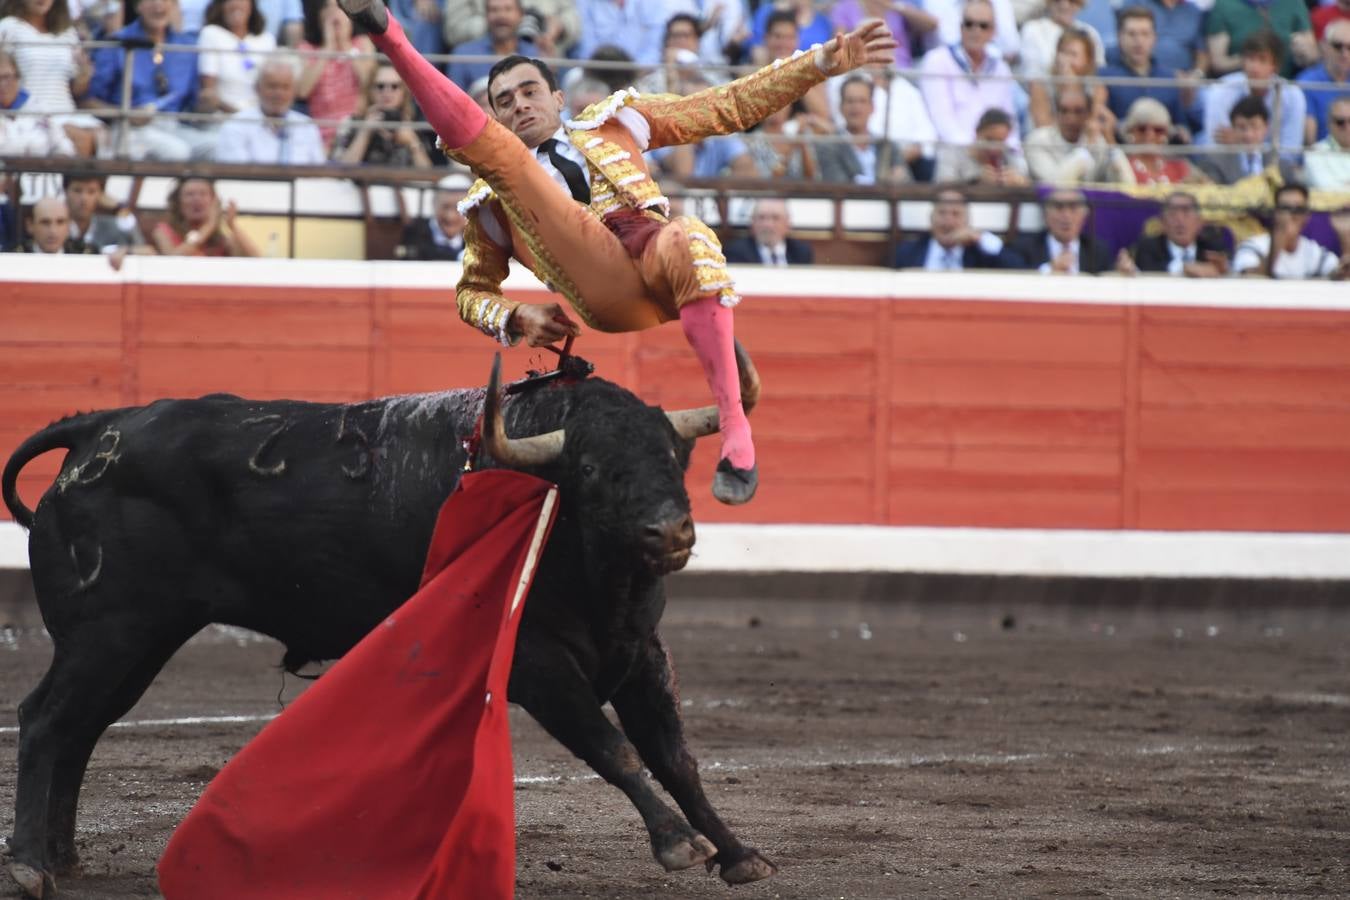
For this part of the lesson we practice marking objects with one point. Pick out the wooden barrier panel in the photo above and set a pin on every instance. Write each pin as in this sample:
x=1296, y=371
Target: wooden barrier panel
x=890, y=398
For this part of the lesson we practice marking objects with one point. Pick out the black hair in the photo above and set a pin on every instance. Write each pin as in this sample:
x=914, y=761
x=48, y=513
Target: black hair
x=515, y=59
x=1264, y=41
x=1249, y=107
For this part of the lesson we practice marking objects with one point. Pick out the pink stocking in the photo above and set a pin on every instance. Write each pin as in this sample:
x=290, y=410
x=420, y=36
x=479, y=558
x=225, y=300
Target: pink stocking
x=708, y=328
x=453, y=113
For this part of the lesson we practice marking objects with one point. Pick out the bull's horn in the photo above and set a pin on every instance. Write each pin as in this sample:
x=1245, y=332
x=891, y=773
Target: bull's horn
x=537, y=450
x=696, y=423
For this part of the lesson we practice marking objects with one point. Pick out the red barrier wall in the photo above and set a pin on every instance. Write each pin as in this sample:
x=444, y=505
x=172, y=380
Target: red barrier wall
x=894, y=410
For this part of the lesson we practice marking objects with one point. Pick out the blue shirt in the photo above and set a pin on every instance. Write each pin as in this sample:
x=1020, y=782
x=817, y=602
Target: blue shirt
x=19, y=100
x=818, y=32
x=1180, y=35
x=1120, y=96
x=638, y=26
x=179, y=71
x=426, y=36
x=465, y=74
x=1319, y=100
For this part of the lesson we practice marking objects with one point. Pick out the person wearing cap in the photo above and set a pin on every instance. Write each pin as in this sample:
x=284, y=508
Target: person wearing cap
x=576, y=204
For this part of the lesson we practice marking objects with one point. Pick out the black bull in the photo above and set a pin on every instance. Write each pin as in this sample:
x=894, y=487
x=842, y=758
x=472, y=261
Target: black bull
x=308, y=522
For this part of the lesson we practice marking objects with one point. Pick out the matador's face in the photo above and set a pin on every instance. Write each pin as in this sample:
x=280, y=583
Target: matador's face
x=521, y=100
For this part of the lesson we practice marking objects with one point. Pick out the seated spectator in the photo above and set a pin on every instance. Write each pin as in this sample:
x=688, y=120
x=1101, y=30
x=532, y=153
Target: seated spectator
x=1261, y=54
x=1185, y=247
x=1294, y=254
x=251, y=135
x=1324, y=15
x=41, y=37
x=987, y=161
x=679, y=59
x=334, y=87
x=1040, y=37
x=197, y=225
x=712, y=157
x=905, y=20
x=951, y=245
x=95, y=221
x=1062, y=248
x=581, y=93
x=775, y=153
x=233, y=44
x=553, y=25
x=899, y=113
x=616, y=68
x=22, y=134
x=865, y=158
x=1329, y=79
x=161, y=84
x=949, y=13
x=636, y=27
x=440, y=237
x=49, y=229
x=1075, y=148
x=1231, y=22
x=962, y=80
x=1147, y=160
x=1073, y=66
x=1250, y=153
x=397, y=143
x=1327, y=163
x=1138, y=36
x=769, y=243
x=423, y=22
x=502, y=39
x=813, y=27
x=1180, y=25
x=781, y=39
x=284, y=20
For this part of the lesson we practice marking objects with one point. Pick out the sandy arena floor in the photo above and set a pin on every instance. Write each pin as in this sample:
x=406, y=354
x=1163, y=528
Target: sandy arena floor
x=872, y=751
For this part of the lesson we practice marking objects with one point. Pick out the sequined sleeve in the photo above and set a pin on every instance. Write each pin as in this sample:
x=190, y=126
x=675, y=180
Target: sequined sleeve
x=479, y=292
x=729, y=108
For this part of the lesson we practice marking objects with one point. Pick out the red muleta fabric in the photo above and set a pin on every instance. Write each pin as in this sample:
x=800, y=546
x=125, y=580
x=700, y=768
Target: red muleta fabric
x=391, y=776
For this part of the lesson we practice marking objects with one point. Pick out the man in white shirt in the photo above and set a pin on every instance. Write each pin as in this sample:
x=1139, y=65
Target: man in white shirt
x=246, y=137
x=1294, y=255
x=1074, y=148
x=1327, y=162
x=768, y=242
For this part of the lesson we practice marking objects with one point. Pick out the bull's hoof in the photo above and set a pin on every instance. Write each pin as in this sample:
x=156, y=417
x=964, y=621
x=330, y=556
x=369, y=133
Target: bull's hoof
x=752, y=868
x=686, y=853
x=35, y=882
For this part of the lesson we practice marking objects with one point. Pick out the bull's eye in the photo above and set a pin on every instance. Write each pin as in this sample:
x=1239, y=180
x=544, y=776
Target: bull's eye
x=587, y=470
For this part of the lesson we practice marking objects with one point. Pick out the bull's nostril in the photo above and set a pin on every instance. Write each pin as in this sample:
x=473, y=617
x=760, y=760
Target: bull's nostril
x=686, y=529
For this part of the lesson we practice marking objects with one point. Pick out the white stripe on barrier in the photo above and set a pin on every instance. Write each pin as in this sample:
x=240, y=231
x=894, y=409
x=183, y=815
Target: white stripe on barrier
x=981, y=551
x=770, y=281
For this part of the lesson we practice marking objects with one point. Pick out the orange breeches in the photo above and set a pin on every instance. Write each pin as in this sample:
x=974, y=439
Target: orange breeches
x=570, y=248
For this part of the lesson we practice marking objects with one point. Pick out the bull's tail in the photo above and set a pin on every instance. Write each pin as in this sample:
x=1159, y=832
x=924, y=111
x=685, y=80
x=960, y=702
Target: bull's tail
x=69, y=433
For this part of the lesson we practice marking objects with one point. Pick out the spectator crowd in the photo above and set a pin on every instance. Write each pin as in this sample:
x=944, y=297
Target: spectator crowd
x=1065, y=93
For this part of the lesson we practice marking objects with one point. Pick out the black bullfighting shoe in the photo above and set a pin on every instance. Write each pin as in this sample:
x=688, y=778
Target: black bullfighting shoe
x=734, y=486
x=369, y=14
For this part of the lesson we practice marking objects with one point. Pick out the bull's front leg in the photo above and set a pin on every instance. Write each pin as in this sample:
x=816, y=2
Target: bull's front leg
x=648, y=705
x=552, y=689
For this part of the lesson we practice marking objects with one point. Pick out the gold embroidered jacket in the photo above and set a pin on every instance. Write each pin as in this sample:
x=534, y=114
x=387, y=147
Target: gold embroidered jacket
x=618, y=174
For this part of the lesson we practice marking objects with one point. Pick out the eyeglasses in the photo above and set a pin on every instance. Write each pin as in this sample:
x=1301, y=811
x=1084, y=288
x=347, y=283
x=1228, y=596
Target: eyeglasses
x=1293, y=210
x=1160, y=130
x=1187, y=208
x=1340, y=121
x=9, y=76
x=971, y=23
x=1064, y=204
x=1338, y=46
x=387, y=85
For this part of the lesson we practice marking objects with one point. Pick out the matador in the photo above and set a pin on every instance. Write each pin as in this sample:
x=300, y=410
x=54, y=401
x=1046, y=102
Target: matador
x=576, y=205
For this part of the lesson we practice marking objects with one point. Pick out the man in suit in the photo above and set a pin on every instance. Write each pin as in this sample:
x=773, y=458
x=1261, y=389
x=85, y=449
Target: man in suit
x=952, y=245
x=1185, y=246
x=768, y=242
x=440, y=237
x=1250, y=152
x=865, y=158
x=1061, y=248
x=577, y=205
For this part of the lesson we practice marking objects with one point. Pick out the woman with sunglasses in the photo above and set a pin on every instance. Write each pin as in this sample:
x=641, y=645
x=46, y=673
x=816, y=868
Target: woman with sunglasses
x=1148, y=128
x=46, y=46
x=393, y=144
x=338, y=67
x=234, y=43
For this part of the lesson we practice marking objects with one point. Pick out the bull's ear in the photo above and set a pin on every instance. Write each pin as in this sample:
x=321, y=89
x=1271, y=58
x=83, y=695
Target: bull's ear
x=538, y=450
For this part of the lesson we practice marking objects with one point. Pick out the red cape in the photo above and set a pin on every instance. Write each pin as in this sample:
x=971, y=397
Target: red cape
x=391, y=776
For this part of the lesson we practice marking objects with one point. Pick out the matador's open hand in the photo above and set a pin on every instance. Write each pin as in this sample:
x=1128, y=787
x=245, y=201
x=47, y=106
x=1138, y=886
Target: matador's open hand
x=870, y=42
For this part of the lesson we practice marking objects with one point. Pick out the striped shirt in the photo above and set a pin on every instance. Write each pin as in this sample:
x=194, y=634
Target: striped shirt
x=47, y=62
